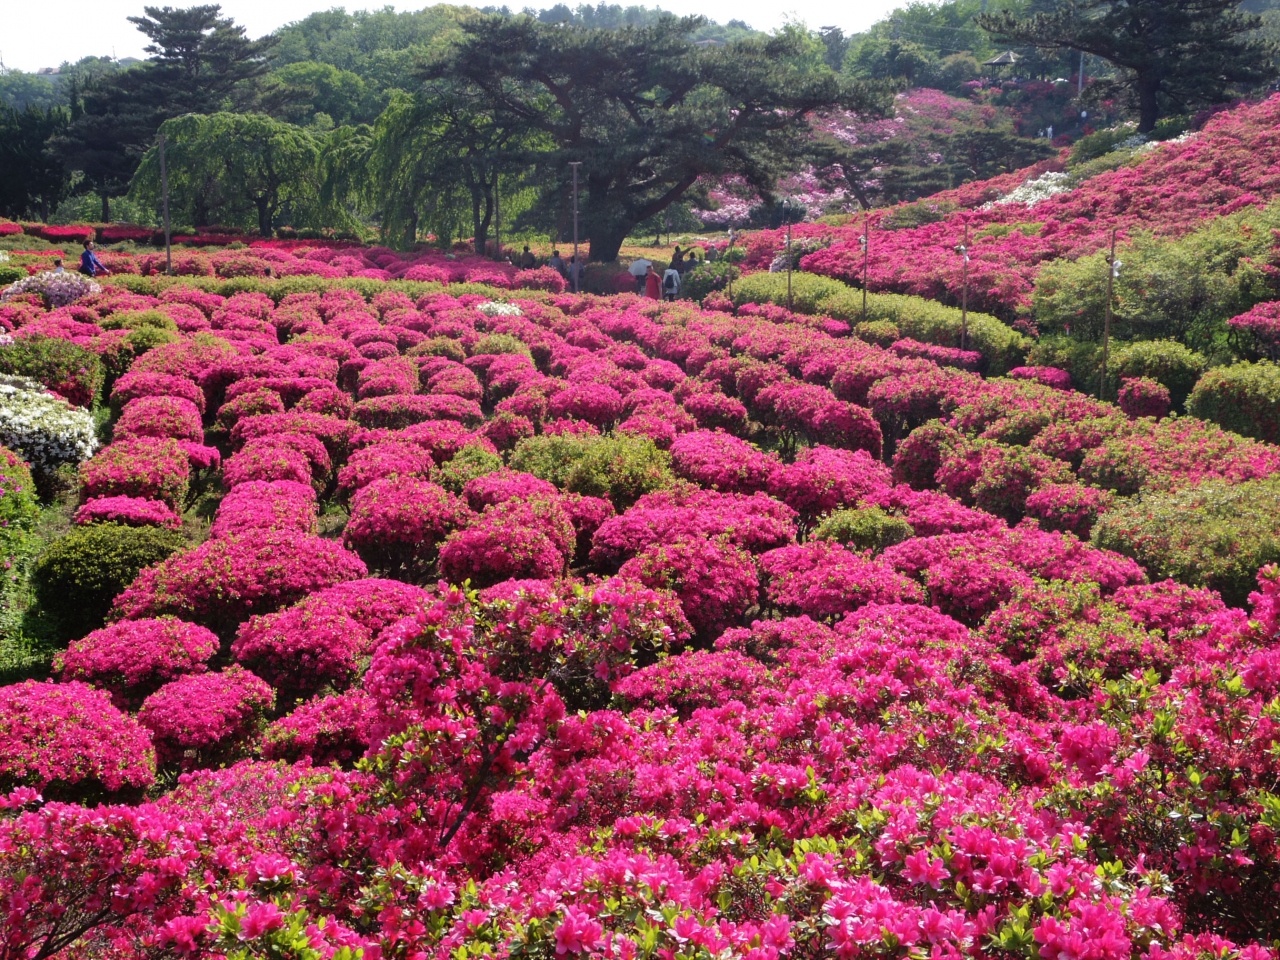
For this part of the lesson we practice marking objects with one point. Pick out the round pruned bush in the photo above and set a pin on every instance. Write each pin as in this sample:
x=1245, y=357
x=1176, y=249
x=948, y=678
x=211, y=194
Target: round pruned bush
x=866, y=528
x=207, y=719
x=70, y=742
x=715, y=581
x=149, y=468
x=72, y=372
x=397, y=525
x=45, y=430
x=76, y=579
x=1165, y=361
x=1244, y=398
x=302, y=649
x=134, y=658
x=1215, y=535
x=328, y=730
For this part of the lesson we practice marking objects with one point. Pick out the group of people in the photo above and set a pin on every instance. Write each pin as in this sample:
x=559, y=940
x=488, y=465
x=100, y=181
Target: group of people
x=664, y=286
x=572, y=270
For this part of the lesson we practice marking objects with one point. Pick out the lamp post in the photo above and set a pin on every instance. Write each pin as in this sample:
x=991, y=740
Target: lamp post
x=729, y=258
x=963, y=250
x=577, y=267
x=164, y=192
x=786, y=212
x=865, y=240
x=1113, y=273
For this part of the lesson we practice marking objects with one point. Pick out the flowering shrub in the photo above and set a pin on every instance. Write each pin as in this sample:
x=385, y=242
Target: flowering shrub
x=148, y=468
x=513, y=540
x=45, y=429
x=715, y=581
x=1070, y=507
x=66, y=370
x=332, y=729
x=202, y=719
x=301, y=649
x=223, y=582
x=129, y=511
x=1144, y=397
x=57, y=289
x=68, y=741
x=722, y=462
x=397, y=524
x=160, y=417
x=824, y=580
x=131, y=660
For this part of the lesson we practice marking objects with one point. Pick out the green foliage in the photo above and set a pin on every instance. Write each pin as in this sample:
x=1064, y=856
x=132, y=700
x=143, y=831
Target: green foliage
x=706, y=277
x=19, y=512
x=1081, y=359
x=1165, y=361
x=138, y=319
x=79, y=575
x=619, y=468
x=880, y=332
x=500, y=343
x=925, y=320
x=868, y=528
x=439, y=347
x=467, y=464
x=10, y=275
x=1214, y=535
x=1183, y=289
x=71, y=370
x=34, y=180
x=918, y=214
x=1244, y=398
x=233, y=167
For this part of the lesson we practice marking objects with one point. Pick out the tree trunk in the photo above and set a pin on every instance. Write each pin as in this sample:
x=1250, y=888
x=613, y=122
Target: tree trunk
x=106, y=206
x=411, y=231
x=264, y=217
x=606, y=243
x=1148, y=107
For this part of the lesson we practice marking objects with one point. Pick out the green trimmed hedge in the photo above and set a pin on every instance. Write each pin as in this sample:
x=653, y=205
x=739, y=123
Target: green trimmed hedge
x=916, y=318
x=1214, y=535
x=1243, y=398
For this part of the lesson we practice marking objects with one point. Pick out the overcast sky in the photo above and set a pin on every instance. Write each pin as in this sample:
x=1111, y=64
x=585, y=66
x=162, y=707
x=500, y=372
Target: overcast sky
x=37, y=34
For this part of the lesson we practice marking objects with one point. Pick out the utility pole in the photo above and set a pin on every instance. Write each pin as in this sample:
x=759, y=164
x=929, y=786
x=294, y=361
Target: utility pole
x=577, y=267
x=865, y=240
x=964, y=295
x=786, y=209
x=164, y=192
x=1113, y=272
x=729, y=259
x=497, y=215
x=1080, y=78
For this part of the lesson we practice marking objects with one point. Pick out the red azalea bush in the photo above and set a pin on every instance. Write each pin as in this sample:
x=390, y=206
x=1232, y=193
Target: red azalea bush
x=722, y=462
x=332, y=729
x=715, y=581
x=1144, y=397
x=130, y=511
x=69, y=741
x=132, y=659
x=397, y=524
x=203, y=719
x=1069, y=507
x=223, y=582
x=824, y=580
x=301, y=649
x=266, y=505
x=147, y=468
x=160, y=417
x=517, y=539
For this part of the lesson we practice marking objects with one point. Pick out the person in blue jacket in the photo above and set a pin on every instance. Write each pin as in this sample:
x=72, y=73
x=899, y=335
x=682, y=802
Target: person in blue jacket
x=90, y=265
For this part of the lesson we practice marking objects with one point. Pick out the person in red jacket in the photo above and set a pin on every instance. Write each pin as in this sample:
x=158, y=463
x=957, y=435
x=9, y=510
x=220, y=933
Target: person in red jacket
x=652, y=284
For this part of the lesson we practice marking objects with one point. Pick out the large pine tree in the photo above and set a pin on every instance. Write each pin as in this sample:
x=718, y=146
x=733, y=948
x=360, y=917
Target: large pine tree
x=1172, y=54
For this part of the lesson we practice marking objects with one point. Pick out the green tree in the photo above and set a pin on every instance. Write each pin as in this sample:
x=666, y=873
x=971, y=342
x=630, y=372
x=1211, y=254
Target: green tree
x=221, y=163
x=34, y=179
x=308, y=88
x=1170, y=53
x=201, y=63
x=644, y=110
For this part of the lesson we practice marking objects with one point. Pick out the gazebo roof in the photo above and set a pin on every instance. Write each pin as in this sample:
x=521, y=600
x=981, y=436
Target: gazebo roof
x=1002, y=60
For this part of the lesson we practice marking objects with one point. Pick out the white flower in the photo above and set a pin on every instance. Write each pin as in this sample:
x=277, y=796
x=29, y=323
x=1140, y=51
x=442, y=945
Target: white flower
x=493, y=308
x=59, y=289
x=1033, y=191
x=45, y=430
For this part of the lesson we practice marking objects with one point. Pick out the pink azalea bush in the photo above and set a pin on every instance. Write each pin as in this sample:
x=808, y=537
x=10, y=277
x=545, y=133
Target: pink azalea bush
x=201, y=718
x=133, y=658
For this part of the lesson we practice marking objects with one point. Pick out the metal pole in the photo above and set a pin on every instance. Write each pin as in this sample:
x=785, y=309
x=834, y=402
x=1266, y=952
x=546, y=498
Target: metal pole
x=964, y=296
x=164, y=190
x=1112, y=266
x=786, y=206
x=866, y=248
x=577, y=267
x=1080, y=78
x=730, y=261
x=497, y=215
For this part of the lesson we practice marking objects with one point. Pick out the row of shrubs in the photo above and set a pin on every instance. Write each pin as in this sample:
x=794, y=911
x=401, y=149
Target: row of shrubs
x=915, y=318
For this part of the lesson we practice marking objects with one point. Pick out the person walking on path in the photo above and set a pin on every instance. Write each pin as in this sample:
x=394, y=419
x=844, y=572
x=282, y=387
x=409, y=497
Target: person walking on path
x=90, y=265
x=640, y=269
x=527, y=260
x=671, y=283
x=652, y=284
x=556, y=263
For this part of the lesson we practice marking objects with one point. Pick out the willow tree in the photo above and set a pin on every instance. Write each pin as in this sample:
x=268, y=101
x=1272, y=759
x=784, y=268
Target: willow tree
x=225, y=166
x=646, y=111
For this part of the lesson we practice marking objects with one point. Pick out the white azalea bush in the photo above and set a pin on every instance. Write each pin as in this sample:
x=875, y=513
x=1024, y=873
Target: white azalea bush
x=45, y=430
x=494, y=308
x=58, y=289
x=1033, y=191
